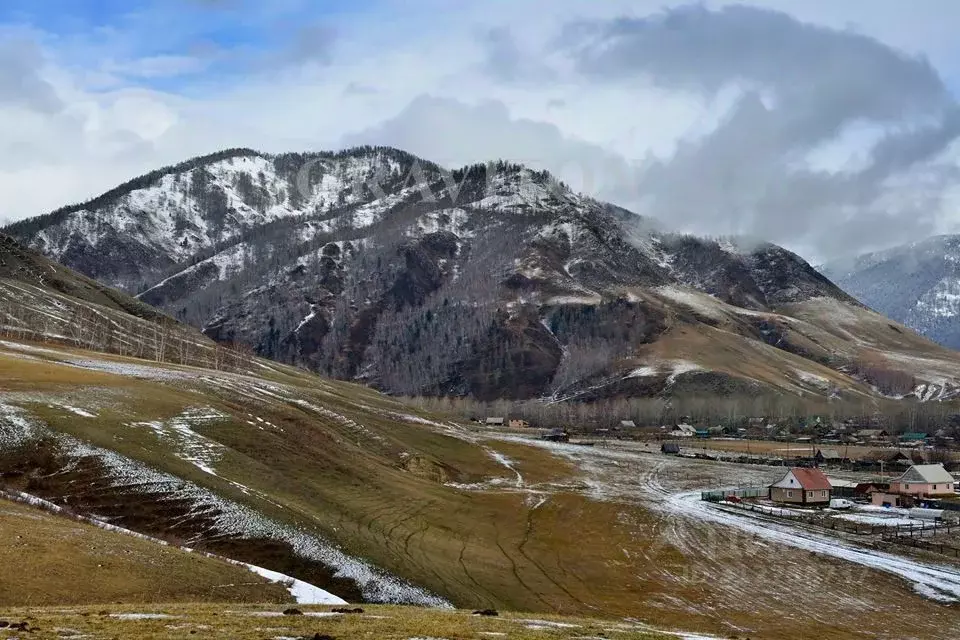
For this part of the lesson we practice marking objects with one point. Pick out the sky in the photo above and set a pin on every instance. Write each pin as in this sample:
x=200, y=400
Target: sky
x=828, y=127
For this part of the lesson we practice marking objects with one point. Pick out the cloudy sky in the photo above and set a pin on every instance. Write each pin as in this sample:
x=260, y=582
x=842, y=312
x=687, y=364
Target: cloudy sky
x=829, y=127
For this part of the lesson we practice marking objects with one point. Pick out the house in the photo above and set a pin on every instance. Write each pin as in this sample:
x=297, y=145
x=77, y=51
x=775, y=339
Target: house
x=885, y=499
x=802, y=486
x=842, y=488
x=914, y=439
x=495, y=422
x=867, y=489
x=944, y=436
x=715, y=431
x=924, y=480
x=516, y=423
x=557, y=435
x=628, y=424
x=670, y=448
x=873, y=435
x=683, y=430
x=899, y=458
x=828, y=456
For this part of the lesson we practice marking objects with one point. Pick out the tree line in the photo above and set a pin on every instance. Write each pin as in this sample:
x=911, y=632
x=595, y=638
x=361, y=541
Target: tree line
x=89, y=327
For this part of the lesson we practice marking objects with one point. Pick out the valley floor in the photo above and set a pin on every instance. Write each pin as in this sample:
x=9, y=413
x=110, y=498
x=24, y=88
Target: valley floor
x=729, y=573
x=326, y=481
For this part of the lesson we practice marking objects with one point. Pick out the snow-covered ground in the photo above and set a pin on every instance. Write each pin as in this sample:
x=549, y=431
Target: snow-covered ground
x=303, y=592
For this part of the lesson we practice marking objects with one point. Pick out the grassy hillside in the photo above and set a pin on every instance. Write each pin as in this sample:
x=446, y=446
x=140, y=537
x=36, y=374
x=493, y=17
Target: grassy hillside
x=361, y=495
x=326, y=463
x=51, y=560
x=18, y=263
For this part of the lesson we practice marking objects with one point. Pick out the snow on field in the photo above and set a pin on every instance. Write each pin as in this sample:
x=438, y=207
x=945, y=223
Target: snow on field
x=575, y=300
x=680, y=367
x=700, y=302
x=675, y=368
x=16, y=426
x=232, y=518
x=624, y=473
x=190, y=445
x=508, y=463
x=884, y=521
x=16, y=346
x=937, y=582
x=303, y=593
x=130, y=369
x=357, y=428
x=83, y=413
x=547, y=624
x=229, y=518
x=812, y=378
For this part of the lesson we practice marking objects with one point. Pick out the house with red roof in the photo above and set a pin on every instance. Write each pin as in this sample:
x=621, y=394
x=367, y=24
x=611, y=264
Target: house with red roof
x=802, y=486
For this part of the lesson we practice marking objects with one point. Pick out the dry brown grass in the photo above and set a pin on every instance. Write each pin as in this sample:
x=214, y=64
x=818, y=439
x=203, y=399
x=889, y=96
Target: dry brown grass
x=234, y=622
x=51, y=560
x=495, y=545
x=792, y=449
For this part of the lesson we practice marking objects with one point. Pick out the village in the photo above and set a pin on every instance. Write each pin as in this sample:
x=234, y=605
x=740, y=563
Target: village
x=866, y=485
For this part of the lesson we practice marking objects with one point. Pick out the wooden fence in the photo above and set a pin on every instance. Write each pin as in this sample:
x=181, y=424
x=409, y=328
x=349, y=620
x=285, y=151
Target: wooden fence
x=888, y=532
x=740, y=492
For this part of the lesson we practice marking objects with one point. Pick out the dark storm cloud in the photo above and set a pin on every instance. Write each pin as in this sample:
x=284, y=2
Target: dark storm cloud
x=802, y=86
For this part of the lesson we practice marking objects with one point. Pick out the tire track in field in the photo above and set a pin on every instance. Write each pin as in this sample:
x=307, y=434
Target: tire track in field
x=520, y=548
x=516, y=572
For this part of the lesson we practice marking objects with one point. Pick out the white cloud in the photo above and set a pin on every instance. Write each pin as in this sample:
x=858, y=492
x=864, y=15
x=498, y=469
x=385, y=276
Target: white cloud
x=455, y=84
x=162, y=66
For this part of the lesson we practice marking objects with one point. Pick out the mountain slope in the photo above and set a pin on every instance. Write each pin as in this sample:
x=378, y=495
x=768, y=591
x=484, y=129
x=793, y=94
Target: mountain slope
x=917, y=284
x=492, y=281
x=45, y=301
x=56, y=556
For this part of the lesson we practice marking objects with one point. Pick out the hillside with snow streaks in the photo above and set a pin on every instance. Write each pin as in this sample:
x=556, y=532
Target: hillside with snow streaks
x=493, y=281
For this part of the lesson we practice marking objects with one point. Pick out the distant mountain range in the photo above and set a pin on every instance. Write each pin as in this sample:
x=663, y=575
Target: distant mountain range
x=492, y=281
x=917, y=284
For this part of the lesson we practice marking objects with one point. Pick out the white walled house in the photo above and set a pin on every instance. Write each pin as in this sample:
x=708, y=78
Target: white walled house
x=802, y=486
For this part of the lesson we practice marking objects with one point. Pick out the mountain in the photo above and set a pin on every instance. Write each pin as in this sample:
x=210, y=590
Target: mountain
x=917, y=284
x=492, y=281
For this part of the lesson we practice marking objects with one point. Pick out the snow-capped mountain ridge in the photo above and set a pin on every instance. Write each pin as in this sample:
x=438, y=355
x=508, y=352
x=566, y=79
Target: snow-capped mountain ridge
x=492, y=280
x=917, y=284
x=169, y=216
